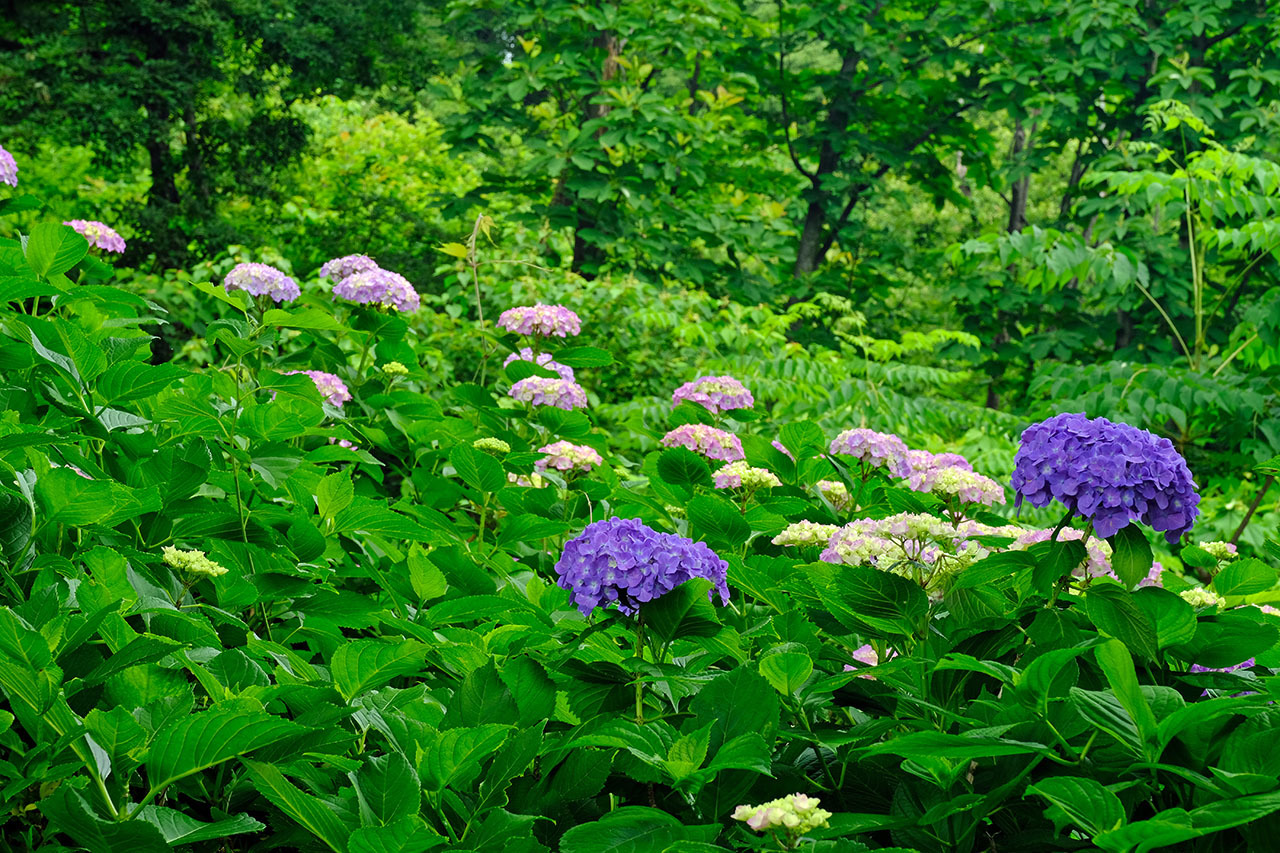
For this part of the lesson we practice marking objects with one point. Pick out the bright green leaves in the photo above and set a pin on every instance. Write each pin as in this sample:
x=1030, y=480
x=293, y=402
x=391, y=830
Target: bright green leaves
x=364, y=664
x=316, y=816
x=387, y=789
x=52, y=249
x=1244, y=577
x=1131, y=557
x=200, y=741
x=1084, y=801
x=477, y=469
x=634, y=829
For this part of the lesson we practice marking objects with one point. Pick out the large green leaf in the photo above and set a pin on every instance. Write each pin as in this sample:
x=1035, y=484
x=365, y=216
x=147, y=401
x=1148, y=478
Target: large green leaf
x=387, y=789
x=865, y=598
x=685, y=611
x=199, y=741
x=1244, y=577
x=1092, y=807
x=717, y=521
x=786, y=671
x=1118, y=615
x=313, y=814
x=17, y=516
x=477, y=469
x=630, y=829
x=1131, y=556
x=458, y=752
x=680, y=466
x=360, y=665
x=53, y=248
x=67, y=810
x=178, y=828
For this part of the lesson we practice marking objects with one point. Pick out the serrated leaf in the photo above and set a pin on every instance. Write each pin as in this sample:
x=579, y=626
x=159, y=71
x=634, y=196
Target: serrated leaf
x=311, y=813
x=178, y=828
x=199, y=741
x=579, y=357
x=459, y=751
x=387, y=789
x=477, y=469
x=53, y=248
x=1131, y=556
x=364, y=664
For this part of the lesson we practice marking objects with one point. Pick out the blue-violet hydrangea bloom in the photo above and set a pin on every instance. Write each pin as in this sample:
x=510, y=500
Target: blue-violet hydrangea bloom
x=622, y=560
x=1109, y=473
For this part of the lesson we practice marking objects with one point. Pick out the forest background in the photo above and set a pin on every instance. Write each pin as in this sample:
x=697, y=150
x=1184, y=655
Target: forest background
x=953, y=217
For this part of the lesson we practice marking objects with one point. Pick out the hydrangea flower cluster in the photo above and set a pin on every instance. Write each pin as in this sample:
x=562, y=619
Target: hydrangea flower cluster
x=540, y=391
x=806, y=533
x=192, y=562
x=795, y=815
x=380, y=288
x=913, y=545
x=1110, y=473
x=99, y=235
x=330, y=387
x=967, y=486
x=548, y=321
x=261, y=280
x=8, y=169
x=1221, y=551
x=348, y=265
x=542, y=359
x=867, y=656
x=740, y=475
x=875, y=448
x=344, y=443
x=1198, y=596
x=706, y=441
x=623, y=561
x=492, y=446
x=922, y=467
x=526, y=481
x=837, y=494
x=394, y=369
x=715, y=393
x=565, y=456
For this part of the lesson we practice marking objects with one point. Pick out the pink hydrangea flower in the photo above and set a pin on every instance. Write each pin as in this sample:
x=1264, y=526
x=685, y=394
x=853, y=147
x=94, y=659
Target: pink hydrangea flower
x=330, y=387
x=540, y=391
x=715, y=393
x=545, y=320
x=542, y=359
x=261, y=280
x=100, y=236
x=8, y=169
x=706, y=441
x=565, y=456
x=379, y=287
x=876, y=448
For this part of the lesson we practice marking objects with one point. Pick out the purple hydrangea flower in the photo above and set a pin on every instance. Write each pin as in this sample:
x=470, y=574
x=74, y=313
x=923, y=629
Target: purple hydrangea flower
x=922, y=466
x=347, y=265
x=540, y=391
x=8, y=169
x=621, y=560
x=877, y=448
x=379, y=287
x=566, y=456
x=261, y=280
x=542, y=359
x=100, y=236
x=707, y=441
x=1110, y=473
x=545, y=320
x=330, y=387
x=715, y=393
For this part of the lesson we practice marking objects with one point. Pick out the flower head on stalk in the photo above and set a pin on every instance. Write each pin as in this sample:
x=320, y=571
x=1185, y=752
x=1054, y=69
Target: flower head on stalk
x=740, y=475
x=1112, y=474
x=806, y=533
x=706, y=441
x=99, y=235
x=348, y=265
x=379, y=288
x=192, y=562
x=542, y=359
x=8, y=169
x=794, y=816
x=875, y=448
x=623, y=561
x=558, y=393
x=330, y=387
x=717, y=394
x=567, y=457
x=261, y=280
x=547, y=321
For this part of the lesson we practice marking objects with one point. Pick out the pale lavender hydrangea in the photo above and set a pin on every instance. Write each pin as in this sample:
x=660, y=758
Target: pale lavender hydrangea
x=348, y=265
x=99, y=235
x=705, y=441
x=380, y=288
x=542, y=359
x=330, y=387
x=261, y=280
x=541, y=391
x=922, y=466
x=967, y=486
x=782, y=448
x=1109, y=473
x=623, y=561
x=8, y=169
x=875, y=448
x=548, y=321
x=566, y=456
x=715, y=393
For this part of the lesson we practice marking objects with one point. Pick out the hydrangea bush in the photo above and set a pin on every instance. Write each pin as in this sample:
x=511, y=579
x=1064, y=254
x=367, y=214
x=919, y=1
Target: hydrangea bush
x=415, y=613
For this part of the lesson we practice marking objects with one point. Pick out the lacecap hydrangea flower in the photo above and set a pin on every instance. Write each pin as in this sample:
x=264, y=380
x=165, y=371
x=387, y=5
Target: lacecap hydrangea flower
x=348, y=265
x=566, y=456
x=705, y=441
x=8, y=169
x=192, y=562
x=1109, y=473
x=99, y=235
x=795, y=815
x=542, y=359
x=715, y=393
x=492, y=446
x=330, y=387
x=380, y=288
x=874, y=448
x=740, y=475
x=261, y=280
x=540, y=391
x=622, y=561
x=913, y=545
x=806, y=533
x=548, y=321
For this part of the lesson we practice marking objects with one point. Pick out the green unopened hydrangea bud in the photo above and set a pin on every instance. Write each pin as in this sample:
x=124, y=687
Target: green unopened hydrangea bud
x=674, y=511
x=1222, y=551
x=1201, y=597
x=806, y=533
x=794, y=814
x=192, y=562
x=837, y=493
x=393, y=369
x=492, y=446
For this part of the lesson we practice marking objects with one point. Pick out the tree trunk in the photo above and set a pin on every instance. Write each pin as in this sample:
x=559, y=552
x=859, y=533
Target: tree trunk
x=1018, y=191
x=809, y=253
x=587, y=256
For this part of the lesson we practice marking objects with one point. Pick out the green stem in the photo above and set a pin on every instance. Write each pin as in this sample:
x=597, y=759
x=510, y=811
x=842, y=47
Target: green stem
x=639, y=681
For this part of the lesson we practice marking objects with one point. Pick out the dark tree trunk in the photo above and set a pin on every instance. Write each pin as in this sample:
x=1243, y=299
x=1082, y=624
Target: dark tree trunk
x=587, y=256
x=1021, y=186
x=810, y=252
